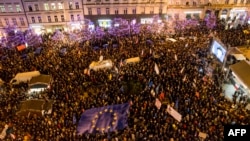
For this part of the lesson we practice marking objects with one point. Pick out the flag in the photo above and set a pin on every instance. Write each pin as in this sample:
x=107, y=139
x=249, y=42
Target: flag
x=182, y=70
x=158, y=103
x=3, y=133
x=175, y=57
x=157, y=69
x=103, y=119
x=174, y=113
x=74, y=119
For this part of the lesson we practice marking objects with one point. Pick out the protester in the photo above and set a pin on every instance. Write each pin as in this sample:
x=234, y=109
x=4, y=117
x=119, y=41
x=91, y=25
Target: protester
x=182, y=82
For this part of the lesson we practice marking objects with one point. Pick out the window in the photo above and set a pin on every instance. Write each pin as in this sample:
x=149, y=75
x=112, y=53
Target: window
x=60, y=5
x=49, y=19
x=14, y=21
x=46, y=6
x=39, y=19
x=36, y=7
x=10, y=8
x=143, y=11
x=152, y=11
x=107, y=11
x=7, y=21
x=53, y=6
x=98, y=11
x=33, y=19
x=72, y=17
x=1, y=24
x=248, y=2
x=116, y=11
x=30, y=8
x=78, y=17
x=56, y=19
x=235, y=1
x=134, y=11
x=70, y=5
x=226, y=1
x=77, y=5
x=62, y=18
x=89, y=11
x=160, y=11
x=242, y=1
x=18, y=8
x=2, y=8
x=22, y=21
x=125, y=11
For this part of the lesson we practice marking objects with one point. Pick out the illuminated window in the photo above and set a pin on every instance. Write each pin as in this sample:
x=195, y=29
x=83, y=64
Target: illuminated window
x=89, y=11
x=39, y=19
x=56, y=19
x=22, y=21
x=70, y=5
x=60, y=5
x=30, y=8
x=53, y=6
x=10, y=8
x=77, y=5
x=7, y=21
x=2, y=8
x=14, y=21
x=33, y=19
x=62, y=18
x=235, y=1
x=107, y=11
x=226, y=1
x=46, y=6
x=36, y=7
x=72, y=17
x=49, y=19
x=18, y=8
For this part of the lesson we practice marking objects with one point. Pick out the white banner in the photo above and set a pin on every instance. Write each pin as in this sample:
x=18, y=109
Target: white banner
x=174, y=113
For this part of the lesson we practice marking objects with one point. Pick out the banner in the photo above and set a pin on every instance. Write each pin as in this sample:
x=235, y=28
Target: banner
x=174, y=113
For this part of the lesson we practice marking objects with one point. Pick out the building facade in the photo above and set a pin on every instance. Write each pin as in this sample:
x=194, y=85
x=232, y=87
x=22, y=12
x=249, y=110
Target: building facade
x=48, y=15
x=102, y=12
x=45, y=15
x=12, y=14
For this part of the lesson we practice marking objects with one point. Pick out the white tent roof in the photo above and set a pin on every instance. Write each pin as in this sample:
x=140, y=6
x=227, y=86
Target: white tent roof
x=239, y=56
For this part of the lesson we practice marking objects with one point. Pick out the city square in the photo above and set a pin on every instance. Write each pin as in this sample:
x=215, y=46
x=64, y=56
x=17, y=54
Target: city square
x=123, y=71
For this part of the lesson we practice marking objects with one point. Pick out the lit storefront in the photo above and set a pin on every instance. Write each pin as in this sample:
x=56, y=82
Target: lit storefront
x=239, y=15
x=223, y=14
x=146, y=20
x=38, y=29
x=106, y=23
x=192, y=15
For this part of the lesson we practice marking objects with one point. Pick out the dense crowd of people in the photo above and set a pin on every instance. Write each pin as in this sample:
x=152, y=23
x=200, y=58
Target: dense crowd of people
x=185, y=81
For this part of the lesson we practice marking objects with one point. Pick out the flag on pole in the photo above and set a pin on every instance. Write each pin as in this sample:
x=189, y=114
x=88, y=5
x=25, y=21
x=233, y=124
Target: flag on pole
x=157, y=69
x=175, y=57
x=182, y=70
x=158, y=103
x=184, y=78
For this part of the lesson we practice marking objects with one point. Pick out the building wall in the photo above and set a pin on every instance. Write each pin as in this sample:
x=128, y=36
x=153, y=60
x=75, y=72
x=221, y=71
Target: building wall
x=12, y=13
x=34, y=13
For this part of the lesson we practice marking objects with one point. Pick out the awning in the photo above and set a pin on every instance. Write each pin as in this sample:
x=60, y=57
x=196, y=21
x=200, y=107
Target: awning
x=35, y=107
x=242, y=72
x=41, y=79
x=239, y=57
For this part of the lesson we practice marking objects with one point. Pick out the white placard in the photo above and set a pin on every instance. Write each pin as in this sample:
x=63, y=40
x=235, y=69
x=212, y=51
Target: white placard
x=174, y=113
